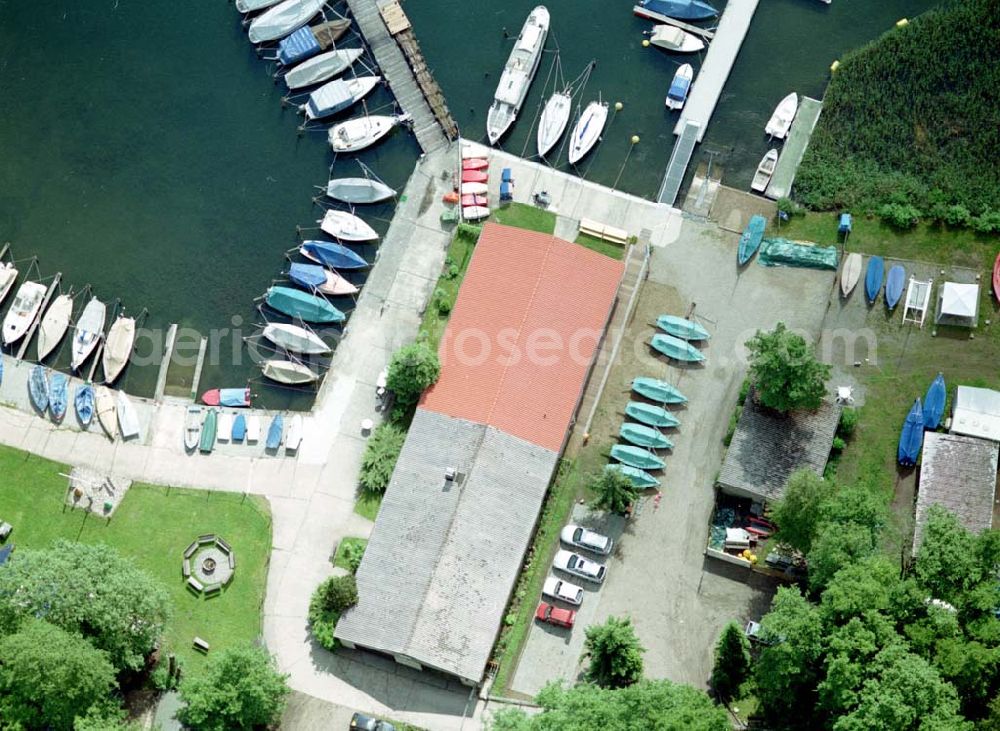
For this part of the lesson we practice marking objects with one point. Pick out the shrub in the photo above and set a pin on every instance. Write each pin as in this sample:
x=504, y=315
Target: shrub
x=957, y=215
x=331, y=598
x=413, y=368
x=848, y=422
x=838, y=444
x=379, y=458
x=338, y=593
x=352, y=551
x=442, y=302
x=613, y=491
x=988, y=222
x=899, y=215
x=789, y=207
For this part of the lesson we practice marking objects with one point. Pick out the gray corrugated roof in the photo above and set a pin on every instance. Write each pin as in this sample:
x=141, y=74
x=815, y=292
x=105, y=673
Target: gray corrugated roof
x=767, y=447
x=958, y=473
x=442, y=560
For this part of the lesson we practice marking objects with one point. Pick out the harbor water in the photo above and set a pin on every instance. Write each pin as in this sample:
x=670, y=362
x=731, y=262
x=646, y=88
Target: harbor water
x=147, y=152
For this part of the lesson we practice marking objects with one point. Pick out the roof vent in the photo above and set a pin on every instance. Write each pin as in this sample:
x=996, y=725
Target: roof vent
x=450, y=473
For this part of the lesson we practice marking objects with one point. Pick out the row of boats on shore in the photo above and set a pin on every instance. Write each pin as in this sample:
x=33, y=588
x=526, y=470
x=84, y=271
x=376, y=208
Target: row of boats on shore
x=204, y=427
x=49, y=392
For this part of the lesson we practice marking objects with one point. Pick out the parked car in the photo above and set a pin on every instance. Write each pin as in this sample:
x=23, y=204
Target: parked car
x=574, y=563
x=558, y=589
x=366, y=723
x=552, y=614
x=580, y=537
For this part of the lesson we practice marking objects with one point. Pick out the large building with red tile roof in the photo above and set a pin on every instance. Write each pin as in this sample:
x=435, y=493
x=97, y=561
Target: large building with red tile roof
x=462, y=503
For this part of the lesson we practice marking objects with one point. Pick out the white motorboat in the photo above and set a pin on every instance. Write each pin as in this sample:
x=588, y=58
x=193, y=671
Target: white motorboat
x=295, y=339
x=293, y=437
x=552, y=123
x=781, y=121
x=338, y=95
x=118, y=348
x=347, y=227
x=282, y=19
x=8, y=275
x=192, y=428
x=290, y=372
x=23, y=312
x=54, y=324
x=679, y=87
x=224, y=426
x=475, y=213
x=107, y=412
x=359, y=190
x=128, y=419
x=671, y=38
x=252, y=6
x=361, y=132
x=587, y=130
x=88, y=331
x=253, y=428
x=322, y=67
x=764, y=171
x=517, y=74
x=475, y=189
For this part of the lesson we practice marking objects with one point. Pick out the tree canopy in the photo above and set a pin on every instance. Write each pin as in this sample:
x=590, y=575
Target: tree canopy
x=613, y=491
x=784, y=370
x=797, y=513
x=380, y=456
x=614, y=652
x=732, y=662
x=648, y=704
x=90, y=590
x=239, y=688
x=413, y=369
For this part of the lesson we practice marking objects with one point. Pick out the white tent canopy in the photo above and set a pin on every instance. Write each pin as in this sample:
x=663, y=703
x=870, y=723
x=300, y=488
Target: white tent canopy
x=958, y=303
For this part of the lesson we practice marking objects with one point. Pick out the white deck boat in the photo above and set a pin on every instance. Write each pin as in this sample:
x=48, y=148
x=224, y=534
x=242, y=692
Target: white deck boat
x=517, y=74
x=781, y=121
x=552, y=124
x=587, y=130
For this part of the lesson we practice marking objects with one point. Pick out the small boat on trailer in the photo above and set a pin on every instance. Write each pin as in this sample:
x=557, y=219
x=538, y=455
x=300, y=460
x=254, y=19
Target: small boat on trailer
x=753, y=234
x=587, y=130
x=682, y=328
x=206, y=442
x=282, y=19
x=651, y=415
x=315, y=278
x=639, y=478
x=289, y=372
x=644, y=436
x=83, y=404
x=38, y=388
x=764, y=171
x=232, y=397
x=781, y=121
x=338, y=95
x=295, y=339
x=678, y=349
x=23, y=312
x=332, y=255
x=656, y=390
x=192, y=428
x=361, y=132
x=107, y=412
x=850, y=273
x=347, y=227
x=58, y=396
x=321, y=68
x=359, y=190
x=636, y=457
x=118, y=348
x=54, y=325
x=679, y=87
x=672, y=38
x=552, y=124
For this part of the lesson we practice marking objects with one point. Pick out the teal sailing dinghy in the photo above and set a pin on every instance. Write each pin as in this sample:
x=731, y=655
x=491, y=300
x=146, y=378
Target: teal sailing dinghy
x=636, y=457
x=681, y=328
x=676, y=348
x=651, y=415
x=656, y=390
x=644, y=436
x=639, y=478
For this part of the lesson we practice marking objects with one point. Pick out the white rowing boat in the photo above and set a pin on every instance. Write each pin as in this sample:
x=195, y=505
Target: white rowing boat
x=118, y=348
x=322, y=67
x=358, y=190
x=295, y=339
x=361, y=132
x=253, y=428
x=128, y=420
x=587, y=130
x=347, y=227
x=88, y=331
x=552, y=123
x=54, y=324
x=282, y=19
x=474, y=189
x=286, y=371
x=475, y=213
x=293, y=438
x=23, y=312
x=224, y=426
x=764, y=171
x=781, y=121
x=192, y=428
x=517, y=74
x=107, y=413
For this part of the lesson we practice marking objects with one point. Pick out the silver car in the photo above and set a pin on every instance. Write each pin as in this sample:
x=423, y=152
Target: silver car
x=556, y=588
x=574, y=563
x=580, y=537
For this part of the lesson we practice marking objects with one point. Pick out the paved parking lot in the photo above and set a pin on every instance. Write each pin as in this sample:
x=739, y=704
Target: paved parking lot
x=658, y=575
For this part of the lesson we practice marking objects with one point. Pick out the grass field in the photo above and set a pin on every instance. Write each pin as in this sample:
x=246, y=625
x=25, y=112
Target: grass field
x=152, y=526
x=525, y=216
x=601, y=246
x=339, y=558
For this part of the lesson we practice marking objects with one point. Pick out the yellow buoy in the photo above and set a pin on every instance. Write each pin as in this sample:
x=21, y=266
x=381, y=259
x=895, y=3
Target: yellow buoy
x=618, y=106
x=902, y=23
x=834, y=66
x=645, y=43
x=635, y=139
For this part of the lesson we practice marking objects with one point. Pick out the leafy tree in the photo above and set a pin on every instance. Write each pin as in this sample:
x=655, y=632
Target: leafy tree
x=613, y=491
x=837, y=545
x=797, y=514
x=732, y=662
x=648, y=704
x=48, y=677
x=899, y=215
x=329, y=600
x=615, y=653
x=850, y=648
x=787, y=670
x=859, y=588
x=380, y=456
x=90, y=590
x=947, y=563
x=957, y=215
x=848, y=421
x=339, y=593
x=413, y=369
x=785, y=371
x=240, y=688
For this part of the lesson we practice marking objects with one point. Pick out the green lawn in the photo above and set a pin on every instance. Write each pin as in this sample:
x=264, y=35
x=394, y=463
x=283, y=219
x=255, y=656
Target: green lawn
x=615, y=251
x=340, y=559
x=367, y=504
x=525, y=216
x=153, y=526
x=463, y=243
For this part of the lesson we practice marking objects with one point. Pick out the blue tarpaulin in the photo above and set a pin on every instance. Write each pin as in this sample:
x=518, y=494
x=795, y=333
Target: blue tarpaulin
x=299, y=46
x=845, y=223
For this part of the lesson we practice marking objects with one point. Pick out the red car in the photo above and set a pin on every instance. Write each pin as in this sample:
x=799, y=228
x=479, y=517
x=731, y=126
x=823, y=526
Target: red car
x=555, y=615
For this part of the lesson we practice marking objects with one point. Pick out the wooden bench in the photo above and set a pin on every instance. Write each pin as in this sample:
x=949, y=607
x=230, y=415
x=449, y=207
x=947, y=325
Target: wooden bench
x=603, y=231
x=186, y=568
x=195, y=584
x=189, y=552
x=201, y=645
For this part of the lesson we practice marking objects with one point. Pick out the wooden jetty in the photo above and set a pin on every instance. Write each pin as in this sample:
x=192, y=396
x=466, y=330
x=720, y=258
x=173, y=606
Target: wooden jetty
x=390, y=37
x=794, y=148
x=168, y=351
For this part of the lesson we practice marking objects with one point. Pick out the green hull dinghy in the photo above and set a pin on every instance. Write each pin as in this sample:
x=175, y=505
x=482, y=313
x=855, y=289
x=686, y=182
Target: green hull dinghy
x=207, y=443
x=636, y=457
x=651, y=415
x=656, y=390
x=681, y=328
x=677, y=349
x=644, y=436
x=638, y=477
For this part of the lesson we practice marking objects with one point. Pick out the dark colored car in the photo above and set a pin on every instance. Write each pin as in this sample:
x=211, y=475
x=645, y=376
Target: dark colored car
x=366, y=723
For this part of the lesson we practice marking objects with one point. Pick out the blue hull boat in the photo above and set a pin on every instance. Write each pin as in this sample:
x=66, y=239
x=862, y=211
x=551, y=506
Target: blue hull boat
x=296, y=303
x=239, y=429
x=58, y=395
x=38, y=388
x=83, y=403
x=911, y=438
x=330, y=254
x=873, y=278
x=680, y=9
x=275, y=432
x=753, y=234
x=934, y=403
x=894, y=286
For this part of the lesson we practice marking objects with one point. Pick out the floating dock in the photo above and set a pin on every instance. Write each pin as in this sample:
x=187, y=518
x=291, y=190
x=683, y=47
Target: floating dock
x=794, y=148
x=387, y=31
x=679, y=160
x=666, y=19
x=719, y=60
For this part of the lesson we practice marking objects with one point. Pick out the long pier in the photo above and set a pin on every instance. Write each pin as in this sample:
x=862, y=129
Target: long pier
x=679, y=160
x=794, y=148
x=387, y=31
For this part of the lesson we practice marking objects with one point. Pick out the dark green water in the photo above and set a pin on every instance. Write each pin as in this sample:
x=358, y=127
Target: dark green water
x=146, y=151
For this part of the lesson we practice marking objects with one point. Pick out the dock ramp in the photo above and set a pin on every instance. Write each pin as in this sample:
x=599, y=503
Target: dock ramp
x=679, y=159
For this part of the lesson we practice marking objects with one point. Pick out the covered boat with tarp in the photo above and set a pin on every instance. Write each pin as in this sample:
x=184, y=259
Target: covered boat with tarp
x=307, y=42
x=782, y=252
x=934, y=401
x=911, y=436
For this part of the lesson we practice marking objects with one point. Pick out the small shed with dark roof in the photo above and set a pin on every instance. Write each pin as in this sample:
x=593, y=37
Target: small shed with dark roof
x=958, y=473
x=768, y=446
